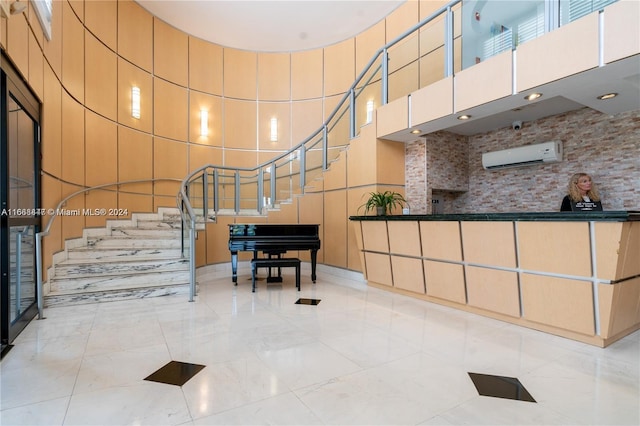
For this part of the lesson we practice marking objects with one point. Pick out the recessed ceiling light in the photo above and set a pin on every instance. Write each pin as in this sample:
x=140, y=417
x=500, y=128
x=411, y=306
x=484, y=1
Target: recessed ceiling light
x=533, y=96
x=415, y=131
x=607, y=96
x=464, y=117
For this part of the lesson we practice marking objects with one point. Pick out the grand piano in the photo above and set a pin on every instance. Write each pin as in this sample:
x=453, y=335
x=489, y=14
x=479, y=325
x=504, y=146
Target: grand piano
x=273, y=240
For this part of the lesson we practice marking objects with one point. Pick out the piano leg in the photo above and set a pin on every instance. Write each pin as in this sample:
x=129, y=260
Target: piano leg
x=234, y=267
x=314, y=256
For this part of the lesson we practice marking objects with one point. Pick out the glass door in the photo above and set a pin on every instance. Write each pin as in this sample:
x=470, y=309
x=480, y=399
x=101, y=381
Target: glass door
x=19, y=204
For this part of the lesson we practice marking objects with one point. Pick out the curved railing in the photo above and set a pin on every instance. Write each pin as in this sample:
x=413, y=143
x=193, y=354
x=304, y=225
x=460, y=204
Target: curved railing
x=55, y=212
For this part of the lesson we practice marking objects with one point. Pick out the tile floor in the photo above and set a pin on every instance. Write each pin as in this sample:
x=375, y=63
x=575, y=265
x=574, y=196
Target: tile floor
x=361, y=356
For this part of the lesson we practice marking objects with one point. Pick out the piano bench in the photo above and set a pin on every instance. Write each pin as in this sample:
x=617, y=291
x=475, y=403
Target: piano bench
x=275, y=262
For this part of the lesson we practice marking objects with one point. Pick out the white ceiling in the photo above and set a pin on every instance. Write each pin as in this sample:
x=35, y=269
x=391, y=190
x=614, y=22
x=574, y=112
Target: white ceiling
x=271, y=26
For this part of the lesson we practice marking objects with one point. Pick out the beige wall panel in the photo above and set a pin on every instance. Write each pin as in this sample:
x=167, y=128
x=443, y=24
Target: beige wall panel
x=493, y=290
x=18, y=42
x=621, y=29
x=72, y=226
x=441, y=240
x=406, y=274
x=339, y=67
x=52, y=124
x=390, y=164
x=629, y=265
x=101, y=18
x=544, y=246
x=288, y=213
x=404, y=81
x=392, y=117
x=401, y=19
x=217, y=242
x=200, y=156
x=424, y=109
x=404, y=238
x=78, y=8
x=367, y=44
x=280, y=111
x=205, y=66
x=72, y=64
x=378, y=268
x=135, y=34
x=375, y=236
x=52, y=243
x=571, y=49
x=619, y=307
x=306, y=74
x=129, y=76
x=445, y=281
x=432, y=34
x=169, y=161
x=468, y=93
x=213, y=105
x=355, y=257
x=335, y=228
x=558, y=302
x=240, y=124
x=360, y=162
x=240, y=74
x=36, y=67
x=240, y=158
x=53, y=47
x=135, y=203
x=404, y=53
x=101, y=157
x=72, y=140
x=608, y=242
x=432, y=68
x=499, y=236
x=310, y=208
x=170, y=53
x=135, y=158
x=166, y=200
x=201, y=249
x=101, y=83
x=170, y=110
x=336, y=176
x=97, y=200
x=274, y=76
x=306, y=119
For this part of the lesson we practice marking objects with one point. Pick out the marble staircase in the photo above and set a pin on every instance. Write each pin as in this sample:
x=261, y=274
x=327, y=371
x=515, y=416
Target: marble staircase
x=127, y=259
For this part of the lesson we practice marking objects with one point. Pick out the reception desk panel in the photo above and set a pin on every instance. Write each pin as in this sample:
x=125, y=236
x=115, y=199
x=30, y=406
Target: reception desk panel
x=493, y=290
x=441, y=240
x=445, y=281
x=563, y=303
x=530, y=269
x=478, y=236
x=557, y=247
x=407, y=274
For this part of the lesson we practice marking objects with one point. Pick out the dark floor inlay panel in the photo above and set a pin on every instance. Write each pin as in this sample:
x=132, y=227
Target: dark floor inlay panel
x=175, y=373
x=500, y=387
x=303, y=301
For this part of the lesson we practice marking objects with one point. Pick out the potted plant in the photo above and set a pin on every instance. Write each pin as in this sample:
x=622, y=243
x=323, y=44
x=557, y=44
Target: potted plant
x=383, y=202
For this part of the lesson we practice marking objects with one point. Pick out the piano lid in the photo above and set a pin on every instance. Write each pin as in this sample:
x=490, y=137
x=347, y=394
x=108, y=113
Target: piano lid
x=272, y=230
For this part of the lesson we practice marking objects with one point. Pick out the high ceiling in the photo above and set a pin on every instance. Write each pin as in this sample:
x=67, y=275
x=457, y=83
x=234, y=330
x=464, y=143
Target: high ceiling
x=271, y=26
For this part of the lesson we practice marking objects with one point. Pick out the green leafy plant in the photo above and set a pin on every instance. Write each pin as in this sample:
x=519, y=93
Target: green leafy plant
x=383, y=202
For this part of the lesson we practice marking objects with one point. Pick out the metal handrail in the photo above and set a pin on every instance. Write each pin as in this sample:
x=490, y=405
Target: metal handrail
x=45, y=232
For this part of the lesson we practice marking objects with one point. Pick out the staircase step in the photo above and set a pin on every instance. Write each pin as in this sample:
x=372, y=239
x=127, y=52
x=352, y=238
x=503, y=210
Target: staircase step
x=75, y=269
x=119, y=254
x=119, y=282
x=81, y=298
x=151, y=232
x=127, y=242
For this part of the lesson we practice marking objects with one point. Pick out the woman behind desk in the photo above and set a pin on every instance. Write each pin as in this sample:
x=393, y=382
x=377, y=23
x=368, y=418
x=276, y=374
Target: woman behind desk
x=583, y=195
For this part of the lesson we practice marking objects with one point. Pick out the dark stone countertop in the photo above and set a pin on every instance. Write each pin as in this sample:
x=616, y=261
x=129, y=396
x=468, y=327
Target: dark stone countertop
x=601, y=216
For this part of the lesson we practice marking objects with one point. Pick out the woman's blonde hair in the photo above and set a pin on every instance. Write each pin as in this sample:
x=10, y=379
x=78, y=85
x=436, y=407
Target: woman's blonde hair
x=574, y=192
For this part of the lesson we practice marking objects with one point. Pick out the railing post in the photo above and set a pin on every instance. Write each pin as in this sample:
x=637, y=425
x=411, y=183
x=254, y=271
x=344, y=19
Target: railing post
x=384, y=66
x=272, y=182
x=352, y=113
x=205, y=194
x=192, y=260
x=325, y=147
x=260, y=195
x=39, y=294
x=236, y=196
x=448, y=43
x=303, y=167
x=216, y=196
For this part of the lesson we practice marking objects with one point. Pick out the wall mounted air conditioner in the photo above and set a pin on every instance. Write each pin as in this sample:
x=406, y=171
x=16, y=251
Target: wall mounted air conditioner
x=547, y=152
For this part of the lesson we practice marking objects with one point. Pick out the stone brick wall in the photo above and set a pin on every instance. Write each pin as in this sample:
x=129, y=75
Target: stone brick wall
x=606, y=147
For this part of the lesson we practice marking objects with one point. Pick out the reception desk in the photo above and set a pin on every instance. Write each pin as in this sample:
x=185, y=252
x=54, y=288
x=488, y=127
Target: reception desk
x=576, y=275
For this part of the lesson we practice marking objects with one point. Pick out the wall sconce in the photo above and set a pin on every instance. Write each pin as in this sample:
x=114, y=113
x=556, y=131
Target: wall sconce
x=204, y=122
x=370, y=106
x=135, y=102
x=274, y=130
